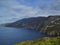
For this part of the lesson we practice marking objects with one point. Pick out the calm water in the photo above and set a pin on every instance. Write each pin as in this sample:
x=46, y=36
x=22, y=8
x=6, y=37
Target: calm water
x=9, y=36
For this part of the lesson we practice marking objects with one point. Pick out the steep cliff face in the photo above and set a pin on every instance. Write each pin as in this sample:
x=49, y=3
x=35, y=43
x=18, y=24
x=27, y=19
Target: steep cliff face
x=47, y=25
x=30, y=23
x=52, y=26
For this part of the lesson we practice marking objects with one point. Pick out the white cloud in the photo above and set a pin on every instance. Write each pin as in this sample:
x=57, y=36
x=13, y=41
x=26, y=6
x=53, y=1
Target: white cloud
x=9, y=7
x=12, y=9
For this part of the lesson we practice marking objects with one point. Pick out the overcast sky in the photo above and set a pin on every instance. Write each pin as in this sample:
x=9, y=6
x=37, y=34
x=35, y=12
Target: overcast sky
x=12, y=10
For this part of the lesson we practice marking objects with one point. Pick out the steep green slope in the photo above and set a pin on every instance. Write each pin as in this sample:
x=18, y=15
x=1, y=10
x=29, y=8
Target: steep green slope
x=42, y=41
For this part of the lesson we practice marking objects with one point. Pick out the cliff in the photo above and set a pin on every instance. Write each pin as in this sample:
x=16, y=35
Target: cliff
x=47, y=25
x=52, y=26
x=30, y=23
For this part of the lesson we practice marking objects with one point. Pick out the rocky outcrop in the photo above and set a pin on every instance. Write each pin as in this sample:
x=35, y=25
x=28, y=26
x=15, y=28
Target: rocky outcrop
x=30, y=23
x=52, y=26
x=47, y=25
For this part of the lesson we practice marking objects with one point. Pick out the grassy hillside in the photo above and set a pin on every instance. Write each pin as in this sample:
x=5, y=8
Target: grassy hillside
x=42, y=41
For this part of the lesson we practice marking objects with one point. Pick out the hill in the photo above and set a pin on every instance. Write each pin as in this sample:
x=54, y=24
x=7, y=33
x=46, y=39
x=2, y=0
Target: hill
x=47, y=25
x=42, y=41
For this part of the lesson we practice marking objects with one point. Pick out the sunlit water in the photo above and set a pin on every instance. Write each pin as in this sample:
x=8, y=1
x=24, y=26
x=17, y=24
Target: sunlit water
x=9, y=36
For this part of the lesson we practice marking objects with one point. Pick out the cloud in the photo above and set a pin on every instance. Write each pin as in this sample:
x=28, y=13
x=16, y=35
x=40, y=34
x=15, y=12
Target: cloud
x=56, y=5
x=11, y=9
x=14, y=10
x=53, y=5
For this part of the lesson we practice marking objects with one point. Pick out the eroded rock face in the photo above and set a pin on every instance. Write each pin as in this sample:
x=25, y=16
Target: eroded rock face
x=52, y=26
x=47, y=25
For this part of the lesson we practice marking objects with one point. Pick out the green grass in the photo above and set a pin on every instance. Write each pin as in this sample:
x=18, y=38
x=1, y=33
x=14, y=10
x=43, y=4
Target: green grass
x=42, y=41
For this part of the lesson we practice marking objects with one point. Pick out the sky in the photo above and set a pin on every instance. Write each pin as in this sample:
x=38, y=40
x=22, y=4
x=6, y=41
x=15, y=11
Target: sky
x=13, y=10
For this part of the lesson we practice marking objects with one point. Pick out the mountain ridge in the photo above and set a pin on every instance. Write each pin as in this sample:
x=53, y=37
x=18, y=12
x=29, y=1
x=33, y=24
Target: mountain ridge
x=48, y=25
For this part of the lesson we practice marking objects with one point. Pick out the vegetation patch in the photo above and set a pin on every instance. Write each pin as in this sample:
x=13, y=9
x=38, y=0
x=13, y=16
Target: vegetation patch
x=42, y=41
